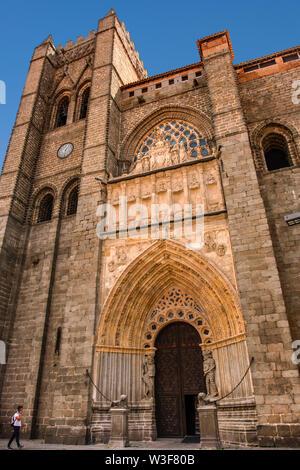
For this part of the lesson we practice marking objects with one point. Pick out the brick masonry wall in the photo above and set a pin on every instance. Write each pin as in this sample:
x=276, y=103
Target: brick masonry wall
x=18, y=171
x=276, y=386
x=267, y=100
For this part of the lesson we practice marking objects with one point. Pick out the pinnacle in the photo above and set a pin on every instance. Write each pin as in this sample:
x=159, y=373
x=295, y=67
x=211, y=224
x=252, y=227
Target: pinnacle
x=111, y=12
x=49, y=39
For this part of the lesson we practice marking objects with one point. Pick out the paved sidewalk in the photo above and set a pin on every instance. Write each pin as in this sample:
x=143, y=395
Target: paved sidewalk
x=159, y=444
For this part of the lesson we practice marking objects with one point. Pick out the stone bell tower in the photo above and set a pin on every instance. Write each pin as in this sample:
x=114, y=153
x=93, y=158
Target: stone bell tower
x=44, y=301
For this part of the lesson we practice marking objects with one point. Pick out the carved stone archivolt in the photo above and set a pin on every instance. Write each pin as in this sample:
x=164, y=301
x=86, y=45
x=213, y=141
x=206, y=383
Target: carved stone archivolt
x=177, y=305
x=128, y=312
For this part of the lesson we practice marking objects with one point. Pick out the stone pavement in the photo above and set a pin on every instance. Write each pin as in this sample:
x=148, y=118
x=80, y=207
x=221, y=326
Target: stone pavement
x=159, y=444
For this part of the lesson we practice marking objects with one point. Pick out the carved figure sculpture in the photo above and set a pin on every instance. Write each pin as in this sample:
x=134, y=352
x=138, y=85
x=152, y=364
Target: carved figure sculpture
x=122, y=403
x=148, y=376
x=209, y=369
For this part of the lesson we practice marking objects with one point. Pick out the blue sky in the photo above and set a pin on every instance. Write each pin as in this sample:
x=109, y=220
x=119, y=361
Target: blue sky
x=164, y=31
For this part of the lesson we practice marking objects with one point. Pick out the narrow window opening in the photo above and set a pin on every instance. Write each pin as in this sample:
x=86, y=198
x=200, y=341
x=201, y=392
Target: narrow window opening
x=58, y=340
x=171, y=82
x=45, y=209
x=289, y=58
x=72, y=201
x=250, y=68
x=158, y=85
x=131, y=94
x=84, y=103
x=268, y=64
x=144, y=90
x=62, y=112
x=184, y=78
x=198, y=74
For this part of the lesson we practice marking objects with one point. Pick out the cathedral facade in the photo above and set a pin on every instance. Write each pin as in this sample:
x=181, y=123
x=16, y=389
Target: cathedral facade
x=144, y=307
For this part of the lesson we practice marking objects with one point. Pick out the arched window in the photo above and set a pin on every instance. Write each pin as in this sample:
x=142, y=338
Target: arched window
x=62, y=112
x=175, y=134
x=72, y=201
x=45, y=209
x=276, y=151
x=84, y=103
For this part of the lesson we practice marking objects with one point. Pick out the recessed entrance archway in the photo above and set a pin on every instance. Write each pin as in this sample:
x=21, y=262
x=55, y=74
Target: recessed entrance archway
x=166, y=284
x=179, y=378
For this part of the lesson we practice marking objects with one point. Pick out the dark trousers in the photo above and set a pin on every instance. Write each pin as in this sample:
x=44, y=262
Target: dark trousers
x=15, y=435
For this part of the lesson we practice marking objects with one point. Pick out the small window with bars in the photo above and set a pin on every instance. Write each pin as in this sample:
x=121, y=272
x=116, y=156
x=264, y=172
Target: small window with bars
x=72, y=201
x=62, y=112
x=84, y=103
x=45, y=209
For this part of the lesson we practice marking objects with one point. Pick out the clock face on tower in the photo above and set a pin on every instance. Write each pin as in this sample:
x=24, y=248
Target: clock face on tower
x=65, y=150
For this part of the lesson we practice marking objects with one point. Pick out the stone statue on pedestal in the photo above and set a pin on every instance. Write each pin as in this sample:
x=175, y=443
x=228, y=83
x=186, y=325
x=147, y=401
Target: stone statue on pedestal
x=148, y=376
x=209, y=369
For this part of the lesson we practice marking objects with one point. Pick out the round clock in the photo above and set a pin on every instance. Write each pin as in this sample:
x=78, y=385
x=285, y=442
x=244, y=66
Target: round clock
x=65, y=150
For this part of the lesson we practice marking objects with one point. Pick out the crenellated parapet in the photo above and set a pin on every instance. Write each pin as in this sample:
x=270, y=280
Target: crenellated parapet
x=74, y=50
x=131, y=50
x=112, y=21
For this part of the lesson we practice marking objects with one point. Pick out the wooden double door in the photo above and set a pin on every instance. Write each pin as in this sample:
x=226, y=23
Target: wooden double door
x=178, y=379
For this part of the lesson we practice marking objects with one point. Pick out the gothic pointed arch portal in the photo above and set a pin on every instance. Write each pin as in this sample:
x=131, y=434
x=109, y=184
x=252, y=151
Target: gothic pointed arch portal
x=129, y=310
x=164, y=285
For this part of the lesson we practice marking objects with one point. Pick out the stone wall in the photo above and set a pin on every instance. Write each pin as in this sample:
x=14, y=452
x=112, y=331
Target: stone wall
x=268, y=100
x=259, y=283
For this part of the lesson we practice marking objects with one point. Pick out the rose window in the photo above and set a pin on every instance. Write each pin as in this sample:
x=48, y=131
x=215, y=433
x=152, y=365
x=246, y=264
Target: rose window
x=175, y=134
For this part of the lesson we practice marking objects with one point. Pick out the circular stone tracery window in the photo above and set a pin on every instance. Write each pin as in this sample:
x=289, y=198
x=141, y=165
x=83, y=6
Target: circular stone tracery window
x=175, y=133
x=173, y=306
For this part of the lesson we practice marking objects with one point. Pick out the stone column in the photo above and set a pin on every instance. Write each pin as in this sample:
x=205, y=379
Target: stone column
x=209, y=431
x=119, y=423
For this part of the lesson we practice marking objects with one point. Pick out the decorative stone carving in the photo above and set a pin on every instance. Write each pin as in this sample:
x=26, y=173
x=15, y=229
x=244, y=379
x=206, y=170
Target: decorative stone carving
x=111, y=266
x=64, y=56
x=115, y=199
x=221, y=250
x=211, y=244
x=131, y=197
x=177, y=186
x=161, y=187
x=169, y=144
x=146, y=195
x=103, y=189
x=214, y=207
x=148, y=376
x=176, y=304
x=121, y=255
x=122, y=403
x=194, y=183
x=209, y=370
x=211, y=179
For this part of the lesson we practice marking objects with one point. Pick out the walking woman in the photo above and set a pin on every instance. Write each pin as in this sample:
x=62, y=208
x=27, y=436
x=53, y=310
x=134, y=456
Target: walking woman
x=16, y=422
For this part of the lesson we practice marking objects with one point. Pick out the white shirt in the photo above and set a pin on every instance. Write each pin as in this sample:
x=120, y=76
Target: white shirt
x=15, y=421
